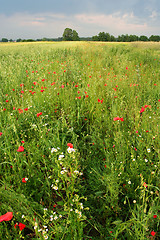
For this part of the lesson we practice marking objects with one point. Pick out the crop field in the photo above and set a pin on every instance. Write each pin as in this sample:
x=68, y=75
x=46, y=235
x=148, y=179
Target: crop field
x=79, y=141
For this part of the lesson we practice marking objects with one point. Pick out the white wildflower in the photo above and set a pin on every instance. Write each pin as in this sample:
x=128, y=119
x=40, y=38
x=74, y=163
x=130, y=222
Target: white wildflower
x=53, y=150
x=55, y=218
x=35, y=225
x=54, y=187
x=70, y=150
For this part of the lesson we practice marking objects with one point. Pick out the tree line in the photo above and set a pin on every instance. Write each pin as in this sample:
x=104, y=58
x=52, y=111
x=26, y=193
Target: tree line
x=72, y=35
x=106, y=37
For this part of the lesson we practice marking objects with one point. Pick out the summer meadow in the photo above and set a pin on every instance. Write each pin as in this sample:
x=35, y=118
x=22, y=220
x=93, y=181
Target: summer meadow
x=79, y=137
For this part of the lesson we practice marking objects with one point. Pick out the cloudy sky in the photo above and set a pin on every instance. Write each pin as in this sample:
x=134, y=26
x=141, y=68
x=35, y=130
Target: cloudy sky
x=48, y=18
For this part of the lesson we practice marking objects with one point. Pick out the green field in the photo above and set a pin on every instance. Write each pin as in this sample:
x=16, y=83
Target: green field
x=79, y=141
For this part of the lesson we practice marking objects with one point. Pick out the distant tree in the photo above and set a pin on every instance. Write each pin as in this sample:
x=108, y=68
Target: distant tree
x=154, y=38
x=108, y=37
x=68, y=34
x=124, y=38
x=102, y=36
x=133, y=38
x=75, y=36
x=4, y=40
x=95, y=38
x=143, y=38
x=113, y=39
x=19, y=40
x=10, y=40
x=119, y=39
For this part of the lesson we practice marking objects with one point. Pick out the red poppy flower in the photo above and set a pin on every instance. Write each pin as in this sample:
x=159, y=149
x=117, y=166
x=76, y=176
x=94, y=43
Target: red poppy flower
x=6, y=217
x=20, y=149
x=70, y=145
x=22, y=91
x=118, y=118
x=153, y=233
x=100, y=100
x=1, y=133
x=42, y=90
x=142, y=109
x=158, y=100
x=38, y=114
x=21, y=226
x=20, y=110
x=121, y=119
x=154, y=216
x=23, y=180
x=25, y=109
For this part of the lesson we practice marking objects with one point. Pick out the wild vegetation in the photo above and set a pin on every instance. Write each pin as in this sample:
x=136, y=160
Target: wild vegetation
x=79, y=137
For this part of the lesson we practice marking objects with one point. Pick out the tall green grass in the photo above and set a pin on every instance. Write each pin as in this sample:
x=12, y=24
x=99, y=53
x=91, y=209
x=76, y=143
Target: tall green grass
x=107, y=185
